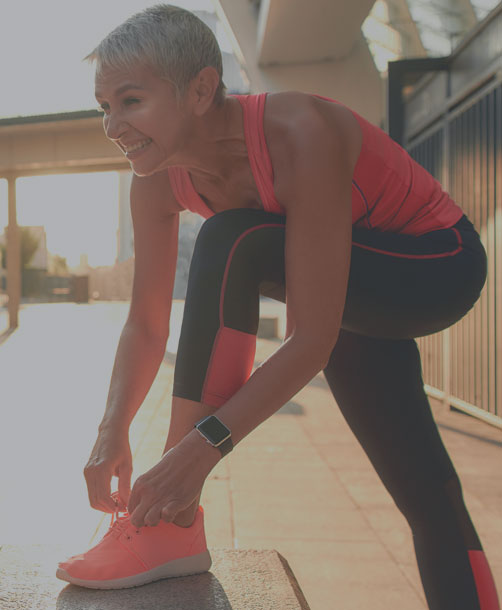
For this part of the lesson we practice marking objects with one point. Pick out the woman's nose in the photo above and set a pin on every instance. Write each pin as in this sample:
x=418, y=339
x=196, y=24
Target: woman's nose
x=114, y=126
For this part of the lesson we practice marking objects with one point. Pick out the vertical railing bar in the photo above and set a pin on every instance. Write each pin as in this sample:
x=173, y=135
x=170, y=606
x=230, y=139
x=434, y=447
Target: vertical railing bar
x=498, y=251
x=445, y=335
x=487, y=338
x=462, y=195
x=431, y=166
x=458, y=177
x=474, y=204
x=473, y=214
x=466, y=199
x=454, y=182
x=478, y=397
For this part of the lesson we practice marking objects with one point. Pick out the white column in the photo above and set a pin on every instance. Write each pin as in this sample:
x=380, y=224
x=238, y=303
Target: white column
x=13, y=257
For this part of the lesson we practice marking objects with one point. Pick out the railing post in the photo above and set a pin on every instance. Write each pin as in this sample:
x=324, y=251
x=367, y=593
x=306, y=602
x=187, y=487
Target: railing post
x=13, y=257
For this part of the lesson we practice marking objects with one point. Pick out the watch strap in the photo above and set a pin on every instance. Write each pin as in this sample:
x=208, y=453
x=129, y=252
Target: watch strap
x=226, y=447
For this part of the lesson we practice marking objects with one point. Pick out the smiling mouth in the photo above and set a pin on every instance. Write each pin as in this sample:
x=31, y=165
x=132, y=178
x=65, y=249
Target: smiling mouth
x=135, y=147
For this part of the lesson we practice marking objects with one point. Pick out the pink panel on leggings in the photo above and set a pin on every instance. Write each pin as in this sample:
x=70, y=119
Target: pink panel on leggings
x=230, y=365
x=485, y=586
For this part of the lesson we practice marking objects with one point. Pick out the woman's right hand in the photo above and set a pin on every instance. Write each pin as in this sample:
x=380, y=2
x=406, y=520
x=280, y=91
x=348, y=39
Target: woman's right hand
x=110, y=456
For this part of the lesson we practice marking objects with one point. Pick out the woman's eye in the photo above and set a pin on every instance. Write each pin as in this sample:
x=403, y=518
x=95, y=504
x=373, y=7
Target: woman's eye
x=130, y=100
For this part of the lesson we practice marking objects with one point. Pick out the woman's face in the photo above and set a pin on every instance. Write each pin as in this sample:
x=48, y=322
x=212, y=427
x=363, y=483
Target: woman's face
x=142, y=117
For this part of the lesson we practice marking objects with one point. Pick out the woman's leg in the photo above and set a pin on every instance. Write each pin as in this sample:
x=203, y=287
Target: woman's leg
x=401, y=287
x=378, y=386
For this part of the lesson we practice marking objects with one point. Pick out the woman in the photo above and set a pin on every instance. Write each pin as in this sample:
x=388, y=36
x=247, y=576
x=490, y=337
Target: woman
x=310, y=204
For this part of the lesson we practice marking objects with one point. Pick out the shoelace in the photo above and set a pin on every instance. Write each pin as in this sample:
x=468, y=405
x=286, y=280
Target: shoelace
x=120, y=521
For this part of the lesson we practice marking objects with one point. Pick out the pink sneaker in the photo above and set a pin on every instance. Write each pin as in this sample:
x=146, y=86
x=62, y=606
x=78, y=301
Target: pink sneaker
x=127, y=557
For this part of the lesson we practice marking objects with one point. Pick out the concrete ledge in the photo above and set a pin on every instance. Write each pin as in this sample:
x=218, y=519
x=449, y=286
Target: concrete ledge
x=238, y=580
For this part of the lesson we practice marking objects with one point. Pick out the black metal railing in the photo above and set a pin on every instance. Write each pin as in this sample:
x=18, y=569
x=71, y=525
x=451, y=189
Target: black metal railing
x=451, y=123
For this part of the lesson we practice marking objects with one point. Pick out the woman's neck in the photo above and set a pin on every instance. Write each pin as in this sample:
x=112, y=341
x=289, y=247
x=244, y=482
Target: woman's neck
x=216, y=146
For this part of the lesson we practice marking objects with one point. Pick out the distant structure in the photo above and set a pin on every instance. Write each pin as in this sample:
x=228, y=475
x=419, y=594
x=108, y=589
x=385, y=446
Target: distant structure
x=83, y=266
x=40, y=259
x=35, y=270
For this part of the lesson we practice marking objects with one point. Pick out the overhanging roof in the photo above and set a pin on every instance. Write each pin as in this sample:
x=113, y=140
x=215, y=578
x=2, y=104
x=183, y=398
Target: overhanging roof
x=57, y=143
x=50, y=118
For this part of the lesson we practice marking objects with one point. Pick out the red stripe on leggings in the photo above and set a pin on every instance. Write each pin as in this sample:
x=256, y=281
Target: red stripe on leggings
x=415, y=256
x=488, y=599
x=230, y=365
x=227, y=267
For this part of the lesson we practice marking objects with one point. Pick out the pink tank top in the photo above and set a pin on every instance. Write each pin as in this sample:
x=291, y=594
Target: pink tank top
x=390, y=191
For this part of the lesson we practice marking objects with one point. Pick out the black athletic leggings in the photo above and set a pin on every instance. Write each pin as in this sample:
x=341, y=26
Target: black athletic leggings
x=400, y=287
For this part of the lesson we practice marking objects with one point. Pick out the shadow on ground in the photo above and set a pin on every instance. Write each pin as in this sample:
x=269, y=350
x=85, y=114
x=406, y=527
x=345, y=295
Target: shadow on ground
x=483, y=439
x=291, y=408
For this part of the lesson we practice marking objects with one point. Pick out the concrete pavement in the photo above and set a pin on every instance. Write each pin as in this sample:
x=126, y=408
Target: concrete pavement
x=300, y=484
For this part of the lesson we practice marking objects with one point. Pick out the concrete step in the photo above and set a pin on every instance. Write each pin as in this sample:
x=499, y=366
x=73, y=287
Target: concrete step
x=238, y=580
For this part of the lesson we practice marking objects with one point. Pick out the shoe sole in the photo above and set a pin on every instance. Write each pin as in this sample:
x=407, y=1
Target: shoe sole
x=186, y=566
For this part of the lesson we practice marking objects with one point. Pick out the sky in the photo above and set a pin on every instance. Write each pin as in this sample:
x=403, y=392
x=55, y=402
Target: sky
x=42, y=46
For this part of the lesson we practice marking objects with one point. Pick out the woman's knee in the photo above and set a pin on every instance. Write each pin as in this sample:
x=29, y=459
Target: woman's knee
x=225, y=227
x=213, y=248
x=245, y=245
x=363, y=368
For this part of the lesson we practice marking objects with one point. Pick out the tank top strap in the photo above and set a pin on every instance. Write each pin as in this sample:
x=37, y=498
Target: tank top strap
x=185, y=193
x=253, y=107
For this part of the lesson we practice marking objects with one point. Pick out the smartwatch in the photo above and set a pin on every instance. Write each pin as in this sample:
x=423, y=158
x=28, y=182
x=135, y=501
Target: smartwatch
x=216, y=434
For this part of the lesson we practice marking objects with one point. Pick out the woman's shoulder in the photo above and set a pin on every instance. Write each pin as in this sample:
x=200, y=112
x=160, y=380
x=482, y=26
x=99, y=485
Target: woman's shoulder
x=294, y=111
x=286, y=106
x=305, y=121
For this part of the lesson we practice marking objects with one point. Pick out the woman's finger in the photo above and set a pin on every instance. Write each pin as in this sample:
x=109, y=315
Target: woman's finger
x=124, y=486
x=152, y=516
x=104, y=493
x=169, y=512
x=134, y=497
x=99, y=488
x=90, y=480
x=138, y=515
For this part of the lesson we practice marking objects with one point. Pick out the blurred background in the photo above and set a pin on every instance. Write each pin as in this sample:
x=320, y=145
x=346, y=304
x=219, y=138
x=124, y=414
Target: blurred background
x=64, y=192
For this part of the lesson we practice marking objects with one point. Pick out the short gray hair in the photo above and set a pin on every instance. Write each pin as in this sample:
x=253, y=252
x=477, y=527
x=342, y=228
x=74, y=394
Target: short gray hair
x=169, y=39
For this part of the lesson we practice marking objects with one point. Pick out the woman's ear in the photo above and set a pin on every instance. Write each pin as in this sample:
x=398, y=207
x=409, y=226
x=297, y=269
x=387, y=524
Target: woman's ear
x=203, y=89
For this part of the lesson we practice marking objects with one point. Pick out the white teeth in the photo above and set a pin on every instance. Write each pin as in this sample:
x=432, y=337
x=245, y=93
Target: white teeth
x=142, y=144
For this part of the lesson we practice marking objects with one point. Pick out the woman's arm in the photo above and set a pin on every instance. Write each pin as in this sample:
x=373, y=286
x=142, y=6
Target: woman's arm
x=314, y=156
x=144, y=336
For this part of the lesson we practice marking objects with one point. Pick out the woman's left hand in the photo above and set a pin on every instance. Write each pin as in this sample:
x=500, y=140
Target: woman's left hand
x=174, y=483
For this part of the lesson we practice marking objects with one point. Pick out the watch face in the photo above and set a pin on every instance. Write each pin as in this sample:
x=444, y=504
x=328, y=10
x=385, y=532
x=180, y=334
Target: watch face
x=213, y=430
